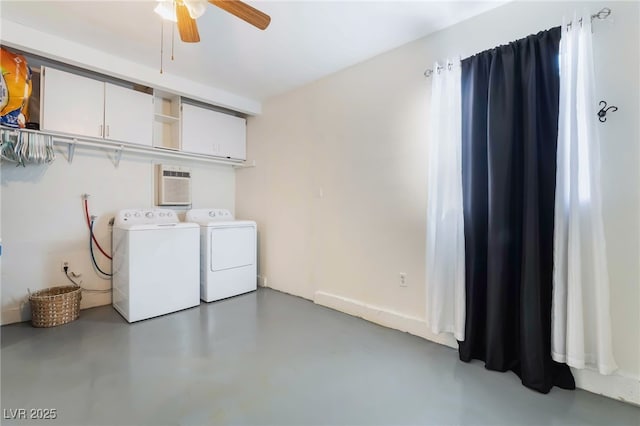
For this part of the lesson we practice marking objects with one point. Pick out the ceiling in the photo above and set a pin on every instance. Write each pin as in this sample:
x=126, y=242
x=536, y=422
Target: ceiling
x=305, y=41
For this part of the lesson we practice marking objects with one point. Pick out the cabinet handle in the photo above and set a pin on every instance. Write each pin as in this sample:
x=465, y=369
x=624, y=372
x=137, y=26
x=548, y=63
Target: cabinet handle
x=101, y=130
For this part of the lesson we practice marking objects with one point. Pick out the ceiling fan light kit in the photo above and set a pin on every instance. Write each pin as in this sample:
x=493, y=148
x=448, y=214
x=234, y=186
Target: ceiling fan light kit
x=185, y=13
x=166, y=9
x=196, y=8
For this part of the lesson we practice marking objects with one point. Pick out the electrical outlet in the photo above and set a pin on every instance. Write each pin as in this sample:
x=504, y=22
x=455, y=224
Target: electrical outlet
x=403, y=279
x=63, y=265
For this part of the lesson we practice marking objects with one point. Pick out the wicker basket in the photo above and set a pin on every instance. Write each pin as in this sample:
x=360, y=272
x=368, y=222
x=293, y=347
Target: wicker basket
x=55, y=306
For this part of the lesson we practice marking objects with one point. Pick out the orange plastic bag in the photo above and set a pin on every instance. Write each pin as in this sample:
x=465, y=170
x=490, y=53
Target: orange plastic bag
x=15, y=89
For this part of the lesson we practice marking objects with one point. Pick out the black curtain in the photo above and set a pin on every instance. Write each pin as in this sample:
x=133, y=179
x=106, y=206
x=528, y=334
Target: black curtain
x=509, y=133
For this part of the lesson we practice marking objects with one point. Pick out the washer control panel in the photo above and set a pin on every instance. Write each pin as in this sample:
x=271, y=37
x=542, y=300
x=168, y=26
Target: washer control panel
x=146, y=217
x=208, y=215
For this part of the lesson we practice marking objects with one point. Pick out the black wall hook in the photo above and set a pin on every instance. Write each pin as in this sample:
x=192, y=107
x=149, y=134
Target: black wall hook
x=602, y=114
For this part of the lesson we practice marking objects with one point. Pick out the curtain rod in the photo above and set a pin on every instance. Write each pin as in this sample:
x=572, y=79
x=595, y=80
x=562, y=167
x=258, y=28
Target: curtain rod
x=602, y=14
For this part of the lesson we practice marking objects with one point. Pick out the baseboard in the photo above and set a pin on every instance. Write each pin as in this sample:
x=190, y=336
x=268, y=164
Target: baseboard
x=620, y=385
x=285, y=290
x=382, y=316
x=262, y=281
x=22, y=312
x=14, y=314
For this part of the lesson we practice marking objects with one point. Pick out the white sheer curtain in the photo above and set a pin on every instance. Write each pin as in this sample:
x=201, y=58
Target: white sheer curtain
x=581, y=333
x=445, y=222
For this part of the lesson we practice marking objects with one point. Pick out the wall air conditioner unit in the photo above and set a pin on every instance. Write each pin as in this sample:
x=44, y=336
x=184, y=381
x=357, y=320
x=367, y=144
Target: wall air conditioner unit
x=173, y=186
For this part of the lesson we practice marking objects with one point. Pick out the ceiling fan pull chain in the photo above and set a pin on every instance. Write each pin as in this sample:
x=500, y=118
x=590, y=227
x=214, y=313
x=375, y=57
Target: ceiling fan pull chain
x=161, y=43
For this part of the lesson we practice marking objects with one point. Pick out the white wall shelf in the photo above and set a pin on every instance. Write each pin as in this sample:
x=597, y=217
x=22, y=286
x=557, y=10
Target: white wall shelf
x=118, y=148
x=166, y=118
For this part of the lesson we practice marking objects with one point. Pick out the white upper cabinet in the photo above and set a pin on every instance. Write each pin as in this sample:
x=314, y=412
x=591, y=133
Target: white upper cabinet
x=72, y=104
x=196, y=130
x=82, y=106
x=86, y=107
x=209, y=132
x=128, y=115
x=230, y=133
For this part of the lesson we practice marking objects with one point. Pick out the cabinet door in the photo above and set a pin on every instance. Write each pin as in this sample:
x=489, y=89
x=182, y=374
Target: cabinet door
x=197, y=134
x=128, y=115
x=72, y=104
x=230, y=135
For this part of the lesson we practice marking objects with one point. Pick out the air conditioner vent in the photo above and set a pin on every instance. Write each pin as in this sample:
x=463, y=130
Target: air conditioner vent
x=175, y=173
x=173, y=185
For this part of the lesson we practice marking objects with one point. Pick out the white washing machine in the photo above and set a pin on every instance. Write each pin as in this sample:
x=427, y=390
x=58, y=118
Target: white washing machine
x=156, y=263
x=228, y=264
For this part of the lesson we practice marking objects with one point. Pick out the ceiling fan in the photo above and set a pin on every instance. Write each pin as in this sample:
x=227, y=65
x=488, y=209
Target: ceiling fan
x=185, y=13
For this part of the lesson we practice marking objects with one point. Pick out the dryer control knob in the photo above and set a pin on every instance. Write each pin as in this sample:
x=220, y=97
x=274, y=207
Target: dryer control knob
x=212, y=214
x=149, y=215
x=161, y=214
x=137, y=214
x=127, y=215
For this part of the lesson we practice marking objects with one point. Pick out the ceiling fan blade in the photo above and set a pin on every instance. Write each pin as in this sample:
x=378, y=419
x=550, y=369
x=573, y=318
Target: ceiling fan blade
x=244, y=11
x=186, y=24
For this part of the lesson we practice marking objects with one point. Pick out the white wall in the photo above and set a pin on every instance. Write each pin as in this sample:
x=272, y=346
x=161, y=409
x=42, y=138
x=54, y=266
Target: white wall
x=339, y=191
x=43, y=218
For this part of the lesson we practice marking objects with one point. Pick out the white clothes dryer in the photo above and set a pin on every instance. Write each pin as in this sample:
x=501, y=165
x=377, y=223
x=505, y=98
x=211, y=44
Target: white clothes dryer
x=156, y=263
x=228, y=259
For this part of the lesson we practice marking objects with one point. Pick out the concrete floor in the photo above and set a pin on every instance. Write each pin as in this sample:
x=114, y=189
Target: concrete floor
x=272, y=359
